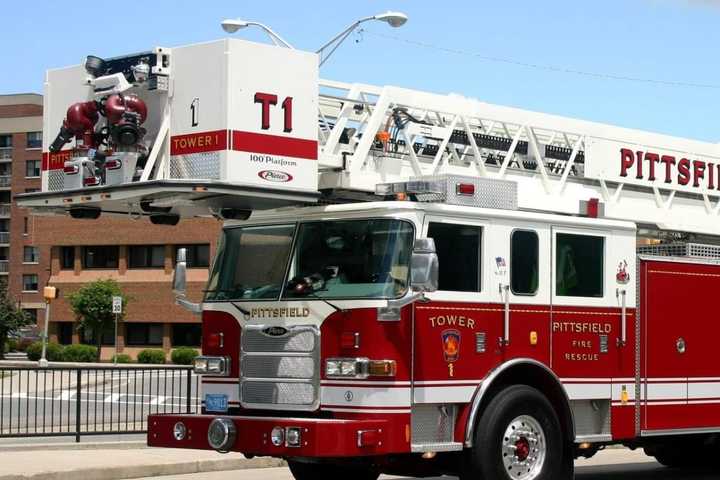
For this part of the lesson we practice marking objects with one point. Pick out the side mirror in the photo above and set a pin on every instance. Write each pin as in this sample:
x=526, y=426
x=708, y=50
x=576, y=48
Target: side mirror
x=180, y=274
x=424, y=266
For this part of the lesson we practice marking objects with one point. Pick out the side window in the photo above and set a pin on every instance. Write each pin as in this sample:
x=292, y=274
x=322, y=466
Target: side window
x=579, y=264
x=524, y=262
x=458, y=249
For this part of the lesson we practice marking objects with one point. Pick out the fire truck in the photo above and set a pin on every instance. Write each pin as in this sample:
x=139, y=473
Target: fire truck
x=407, y=282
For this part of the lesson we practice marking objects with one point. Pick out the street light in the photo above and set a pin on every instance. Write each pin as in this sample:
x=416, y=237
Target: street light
x=233, y=25
x=394, y=19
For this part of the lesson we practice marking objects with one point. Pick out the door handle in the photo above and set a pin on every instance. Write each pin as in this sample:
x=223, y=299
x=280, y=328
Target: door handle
x=680, y=345
x=505, y=339
x=622, y=294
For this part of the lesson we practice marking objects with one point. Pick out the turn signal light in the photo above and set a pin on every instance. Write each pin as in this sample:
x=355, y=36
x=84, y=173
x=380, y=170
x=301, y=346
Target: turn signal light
x=381, y=368
x=70, y=169
x=91, y=181
x=359, y=368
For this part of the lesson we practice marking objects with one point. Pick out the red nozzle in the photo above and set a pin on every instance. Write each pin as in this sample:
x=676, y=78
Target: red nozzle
x=116, y=106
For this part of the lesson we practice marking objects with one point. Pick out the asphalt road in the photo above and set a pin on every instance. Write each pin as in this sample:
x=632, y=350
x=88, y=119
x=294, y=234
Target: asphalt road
x=47, y=401
x=608, y=465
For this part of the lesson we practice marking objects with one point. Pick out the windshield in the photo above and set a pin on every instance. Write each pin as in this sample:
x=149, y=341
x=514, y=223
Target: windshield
x=353, y=258
x=251, y=263
x=330, y=259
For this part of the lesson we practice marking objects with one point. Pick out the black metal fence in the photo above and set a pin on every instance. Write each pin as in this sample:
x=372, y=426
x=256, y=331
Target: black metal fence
x=76, y=401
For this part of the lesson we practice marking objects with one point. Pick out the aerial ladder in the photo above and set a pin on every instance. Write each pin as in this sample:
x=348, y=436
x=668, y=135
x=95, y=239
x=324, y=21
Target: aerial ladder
x=232, y=126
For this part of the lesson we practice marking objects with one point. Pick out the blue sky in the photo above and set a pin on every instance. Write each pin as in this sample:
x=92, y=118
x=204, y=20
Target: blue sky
x=659, y=40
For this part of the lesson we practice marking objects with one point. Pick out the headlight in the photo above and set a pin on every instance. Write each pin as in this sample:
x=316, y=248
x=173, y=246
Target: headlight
x=277, y=436
x=359, y=368
x=206, y=365
x=221, y=434
x=179, y=431
x=292, y=437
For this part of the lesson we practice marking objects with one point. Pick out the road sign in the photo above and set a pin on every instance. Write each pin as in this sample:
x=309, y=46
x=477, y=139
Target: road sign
x=117, y=305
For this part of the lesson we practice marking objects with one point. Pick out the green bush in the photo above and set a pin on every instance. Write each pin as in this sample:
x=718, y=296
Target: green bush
x=152, y=356
x=11, y=345
x=54, y=352
x=122, y=358
x=80, y=353
x=183, y=356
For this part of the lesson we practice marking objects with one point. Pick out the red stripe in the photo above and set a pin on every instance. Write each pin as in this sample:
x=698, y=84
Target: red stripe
x=274, y=145
x=55, y=161
x=198, y=142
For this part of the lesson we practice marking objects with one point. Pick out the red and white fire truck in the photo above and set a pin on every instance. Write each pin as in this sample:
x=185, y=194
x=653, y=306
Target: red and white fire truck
x=407, y=282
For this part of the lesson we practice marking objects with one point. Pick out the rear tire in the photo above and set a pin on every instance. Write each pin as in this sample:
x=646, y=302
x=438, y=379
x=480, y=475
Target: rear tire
x=326, y=471
x=518, y=437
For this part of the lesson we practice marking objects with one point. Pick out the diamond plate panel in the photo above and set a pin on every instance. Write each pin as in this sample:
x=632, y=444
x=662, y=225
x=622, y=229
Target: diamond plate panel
x=433, y=423
x=681, y=249
x=592, y=417
x=489, y=193
x=56, y=180
x=204, y=165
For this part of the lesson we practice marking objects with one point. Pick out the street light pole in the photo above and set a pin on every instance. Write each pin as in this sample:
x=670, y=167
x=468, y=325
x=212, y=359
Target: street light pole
x=394, y=19
x=233, y=25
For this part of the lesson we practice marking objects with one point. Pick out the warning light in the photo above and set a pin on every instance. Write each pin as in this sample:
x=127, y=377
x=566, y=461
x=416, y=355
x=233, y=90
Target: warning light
x=465, y=189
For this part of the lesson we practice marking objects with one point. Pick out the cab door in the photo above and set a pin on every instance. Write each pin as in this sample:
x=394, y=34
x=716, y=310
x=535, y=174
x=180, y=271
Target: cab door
x=457, y=330
x=593, y=328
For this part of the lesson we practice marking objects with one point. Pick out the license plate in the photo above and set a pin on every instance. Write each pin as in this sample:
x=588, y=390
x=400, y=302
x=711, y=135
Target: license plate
x=216, y=402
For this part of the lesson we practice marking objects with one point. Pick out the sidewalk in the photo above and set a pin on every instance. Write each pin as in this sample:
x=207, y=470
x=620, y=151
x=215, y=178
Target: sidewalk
x=115, y=461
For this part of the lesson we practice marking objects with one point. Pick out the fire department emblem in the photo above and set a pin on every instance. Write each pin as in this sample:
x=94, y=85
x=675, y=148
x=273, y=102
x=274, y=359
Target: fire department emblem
x=451, y=345
x=622, y=276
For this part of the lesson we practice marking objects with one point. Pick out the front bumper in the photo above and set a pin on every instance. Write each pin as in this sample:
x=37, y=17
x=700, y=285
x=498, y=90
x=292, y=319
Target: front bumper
x=320, y=437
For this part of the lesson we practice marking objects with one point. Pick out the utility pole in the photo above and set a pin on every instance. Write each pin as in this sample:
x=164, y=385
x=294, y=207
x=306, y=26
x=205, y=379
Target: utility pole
x=49, y=294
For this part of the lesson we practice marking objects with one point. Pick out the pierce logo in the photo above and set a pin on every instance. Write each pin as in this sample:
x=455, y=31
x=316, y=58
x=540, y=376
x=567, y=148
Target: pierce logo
x=275, y=331
x=275, y=176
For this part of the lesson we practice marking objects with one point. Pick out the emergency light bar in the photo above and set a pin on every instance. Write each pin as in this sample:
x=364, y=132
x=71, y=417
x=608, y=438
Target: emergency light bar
x=455, y=190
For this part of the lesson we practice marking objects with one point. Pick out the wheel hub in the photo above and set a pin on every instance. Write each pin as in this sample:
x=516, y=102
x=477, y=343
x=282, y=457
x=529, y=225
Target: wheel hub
x=524, y=448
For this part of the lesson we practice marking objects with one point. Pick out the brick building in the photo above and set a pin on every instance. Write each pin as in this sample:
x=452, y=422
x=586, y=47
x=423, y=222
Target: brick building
x=68, y=253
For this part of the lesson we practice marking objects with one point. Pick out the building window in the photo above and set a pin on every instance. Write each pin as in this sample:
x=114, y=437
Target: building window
x=26, y=225
x=65, y=333
x=579, y=265
x=144, y=333
x=100, y=257
x=31, y=314
x=147, y=256
x=30, y=282
x=198, y=256
x=32, y=168
x=34, y=140
x=458, y=250
x=31, y=254
x=32, y=190
x=107, y=336
x=524, y=260
x=6, y=141
x=67, y=258
x=186, y=334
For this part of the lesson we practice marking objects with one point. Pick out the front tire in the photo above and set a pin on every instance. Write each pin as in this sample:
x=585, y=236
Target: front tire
x=326, y=471
x=518, y=437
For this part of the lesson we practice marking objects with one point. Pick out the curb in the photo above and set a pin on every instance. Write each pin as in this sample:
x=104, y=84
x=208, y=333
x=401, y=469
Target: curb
x=139, y=471
x=31, y=447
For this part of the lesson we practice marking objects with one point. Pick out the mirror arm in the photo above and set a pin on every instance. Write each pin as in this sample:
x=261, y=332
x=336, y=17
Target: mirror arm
x=391, y=312
x=192, y=307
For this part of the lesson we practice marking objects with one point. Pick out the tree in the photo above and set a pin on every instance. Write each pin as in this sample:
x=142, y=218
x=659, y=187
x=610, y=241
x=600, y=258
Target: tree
x=92, y=305
x=11, y=317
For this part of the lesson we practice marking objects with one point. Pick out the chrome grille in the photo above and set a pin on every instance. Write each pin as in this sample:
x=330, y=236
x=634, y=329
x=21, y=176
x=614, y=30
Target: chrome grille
x=284, y=394
x=262, y=366
x=297, y=339
x=280, y=371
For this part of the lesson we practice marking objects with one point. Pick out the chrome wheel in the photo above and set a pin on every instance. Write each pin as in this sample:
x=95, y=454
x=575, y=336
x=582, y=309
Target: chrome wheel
x=524, y=448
